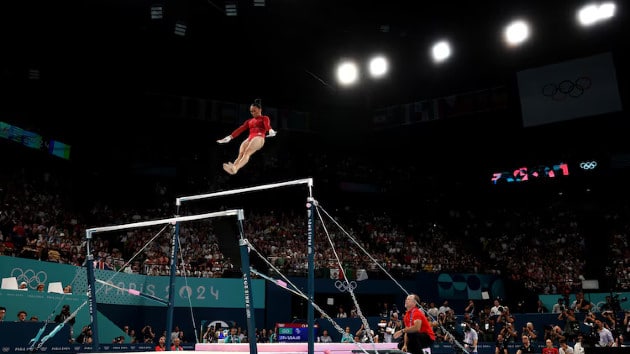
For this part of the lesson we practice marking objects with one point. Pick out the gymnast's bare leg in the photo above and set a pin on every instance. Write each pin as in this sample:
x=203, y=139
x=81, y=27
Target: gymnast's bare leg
x=247, y=149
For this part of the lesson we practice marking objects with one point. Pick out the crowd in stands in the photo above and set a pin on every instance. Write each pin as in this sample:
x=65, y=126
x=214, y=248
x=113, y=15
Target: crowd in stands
x=539, y=245
x=543, y=249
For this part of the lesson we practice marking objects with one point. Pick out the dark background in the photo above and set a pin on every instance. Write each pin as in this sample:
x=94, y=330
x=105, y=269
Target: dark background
x=105, y=72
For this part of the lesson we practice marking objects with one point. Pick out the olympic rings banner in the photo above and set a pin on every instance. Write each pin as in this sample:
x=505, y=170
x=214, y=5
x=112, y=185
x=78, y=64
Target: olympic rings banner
x=195, y=292
x=573, y=89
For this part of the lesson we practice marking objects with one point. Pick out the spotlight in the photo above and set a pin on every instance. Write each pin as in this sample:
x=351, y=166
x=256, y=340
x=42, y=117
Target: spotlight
x=347, y=73
x=180, y=28
x=157, y=11
x=230, y=8
x=378, y=66
x=441, y=51
x=33, y=74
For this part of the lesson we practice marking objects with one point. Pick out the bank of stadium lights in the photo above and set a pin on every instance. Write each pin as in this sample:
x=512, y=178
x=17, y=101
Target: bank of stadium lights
x=33, y=74
x=157, y=11
x=378, y=66
x=592, y=14
x=231, y=8
x=441, y=51
x=348, y=71
x=516, y=32
x=180, y=28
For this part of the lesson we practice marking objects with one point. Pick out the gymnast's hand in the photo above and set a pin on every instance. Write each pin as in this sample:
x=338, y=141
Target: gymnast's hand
x=225, y=140
x=271, y=133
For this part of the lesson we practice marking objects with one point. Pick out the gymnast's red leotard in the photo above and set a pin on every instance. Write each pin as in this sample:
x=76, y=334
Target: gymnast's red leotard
x=258, y=126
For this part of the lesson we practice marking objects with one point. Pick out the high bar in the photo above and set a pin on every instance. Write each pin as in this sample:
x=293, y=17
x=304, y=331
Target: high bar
x=238, y=212
x=308, y=181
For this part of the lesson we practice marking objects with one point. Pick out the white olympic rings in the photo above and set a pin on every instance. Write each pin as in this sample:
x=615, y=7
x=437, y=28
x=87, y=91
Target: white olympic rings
x=29, y=276
x=588, y=165
x=344, y=286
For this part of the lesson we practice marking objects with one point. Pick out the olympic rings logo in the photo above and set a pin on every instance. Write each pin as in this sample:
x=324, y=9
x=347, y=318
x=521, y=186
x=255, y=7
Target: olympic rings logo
x=30, y=277
x=588, y=165
x=344, y=286
x=567, y=88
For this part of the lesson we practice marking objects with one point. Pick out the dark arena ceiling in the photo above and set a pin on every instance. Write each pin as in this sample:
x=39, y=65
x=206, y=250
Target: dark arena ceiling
x=75, y=70
x=286, y=50
x=72, y=61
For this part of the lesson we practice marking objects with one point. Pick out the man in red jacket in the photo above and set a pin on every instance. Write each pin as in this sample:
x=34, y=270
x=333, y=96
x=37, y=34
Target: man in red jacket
x=417, y=331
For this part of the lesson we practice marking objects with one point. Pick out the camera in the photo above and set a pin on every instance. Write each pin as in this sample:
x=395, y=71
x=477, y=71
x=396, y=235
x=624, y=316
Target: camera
x=450, y=326
x=616, y=302
x=616, y=298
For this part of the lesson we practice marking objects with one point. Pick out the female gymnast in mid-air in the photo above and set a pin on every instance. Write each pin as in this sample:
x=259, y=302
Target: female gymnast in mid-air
x=259, y=127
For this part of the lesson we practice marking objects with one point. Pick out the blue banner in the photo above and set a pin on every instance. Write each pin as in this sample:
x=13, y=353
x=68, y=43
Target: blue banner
x=195, y=292
x=465, y=286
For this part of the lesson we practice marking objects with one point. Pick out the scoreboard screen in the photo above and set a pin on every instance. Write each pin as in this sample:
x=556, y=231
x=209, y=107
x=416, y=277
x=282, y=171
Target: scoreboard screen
x=293, y=332
x=542, y=172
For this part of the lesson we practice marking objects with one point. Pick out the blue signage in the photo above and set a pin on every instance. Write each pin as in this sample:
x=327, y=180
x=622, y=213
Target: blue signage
x=121, y=287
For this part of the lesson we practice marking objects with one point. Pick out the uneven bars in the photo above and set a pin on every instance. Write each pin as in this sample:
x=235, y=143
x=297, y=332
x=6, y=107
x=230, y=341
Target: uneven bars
x=244, y=250
x=309, y=181
x=238, y=212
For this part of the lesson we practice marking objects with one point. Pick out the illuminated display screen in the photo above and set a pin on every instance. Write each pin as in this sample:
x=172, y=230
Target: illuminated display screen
x=34, y=140
x=543, y=172
x=59, y=149
x=293, y=332
x=524, y=173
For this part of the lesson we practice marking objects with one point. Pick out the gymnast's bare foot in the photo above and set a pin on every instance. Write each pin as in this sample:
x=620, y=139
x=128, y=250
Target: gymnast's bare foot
x=229, y=168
